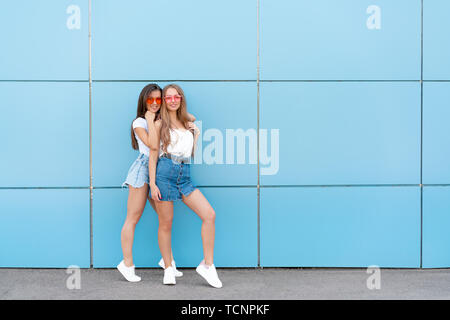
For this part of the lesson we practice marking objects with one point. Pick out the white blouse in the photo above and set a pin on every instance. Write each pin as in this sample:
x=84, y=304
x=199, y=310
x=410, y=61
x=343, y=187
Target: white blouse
x=181, y=143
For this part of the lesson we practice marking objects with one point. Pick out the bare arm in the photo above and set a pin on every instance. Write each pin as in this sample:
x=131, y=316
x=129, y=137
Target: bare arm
x=143, y=135
x=153, y=136
x=149, y=137
x=195, y=141
x=152, y=161
x=196, y=130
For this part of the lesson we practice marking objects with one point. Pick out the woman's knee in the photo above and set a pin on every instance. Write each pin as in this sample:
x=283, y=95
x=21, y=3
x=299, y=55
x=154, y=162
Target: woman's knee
x=133, y=217
x=210, y=216
x=165, y=224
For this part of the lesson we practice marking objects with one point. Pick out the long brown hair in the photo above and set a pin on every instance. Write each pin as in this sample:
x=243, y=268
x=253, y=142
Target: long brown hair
x=142, y=109
x=182, y=115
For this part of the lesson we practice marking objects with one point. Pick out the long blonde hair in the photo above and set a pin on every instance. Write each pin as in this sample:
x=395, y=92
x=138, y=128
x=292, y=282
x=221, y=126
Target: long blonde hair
x=182, y=115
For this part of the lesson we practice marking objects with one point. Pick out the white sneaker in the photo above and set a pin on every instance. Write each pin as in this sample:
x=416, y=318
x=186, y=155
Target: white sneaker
x=169, y=276
x=210, y=274
x=128, y=272
x=177, y=273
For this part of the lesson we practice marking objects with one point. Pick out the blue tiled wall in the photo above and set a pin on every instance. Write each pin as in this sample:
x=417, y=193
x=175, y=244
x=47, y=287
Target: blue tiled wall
x=351, y=99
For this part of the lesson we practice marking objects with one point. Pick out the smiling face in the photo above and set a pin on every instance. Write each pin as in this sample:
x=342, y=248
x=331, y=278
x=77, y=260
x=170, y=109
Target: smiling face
x=154, y=101
x=172, y=99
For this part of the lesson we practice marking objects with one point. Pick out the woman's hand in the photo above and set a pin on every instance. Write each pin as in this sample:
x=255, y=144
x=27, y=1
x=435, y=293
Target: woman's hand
x=150, y=116
x=193, y=127
x=191, y=117
x=154, y=191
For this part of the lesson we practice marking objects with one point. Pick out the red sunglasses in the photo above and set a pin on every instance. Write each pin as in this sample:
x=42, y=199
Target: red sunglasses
x=151, y=100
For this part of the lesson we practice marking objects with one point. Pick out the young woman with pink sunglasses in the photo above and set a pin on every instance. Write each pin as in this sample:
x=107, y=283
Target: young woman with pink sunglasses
x=170, y=181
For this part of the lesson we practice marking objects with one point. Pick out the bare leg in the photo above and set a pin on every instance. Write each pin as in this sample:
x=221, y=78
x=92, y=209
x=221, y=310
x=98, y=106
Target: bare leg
x=152, y=203
x=198, y=203
x=137, y=198
x=164, y=209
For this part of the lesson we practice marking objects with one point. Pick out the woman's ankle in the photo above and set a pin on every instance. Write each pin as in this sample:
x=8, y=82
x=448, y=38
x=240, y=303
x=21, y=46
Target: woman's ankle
x=128, y=263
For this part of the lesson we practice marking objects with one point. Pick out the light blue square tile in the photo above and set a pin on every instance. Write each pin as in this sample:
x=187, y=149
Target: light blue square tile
x=342, y=132
x=176, y=40
x=436, y=117
x=340, y=40
x=340, y=227
x=44, y=40
x=44, y=228
x=436, y=47
x=45, y=126
x=436, y=223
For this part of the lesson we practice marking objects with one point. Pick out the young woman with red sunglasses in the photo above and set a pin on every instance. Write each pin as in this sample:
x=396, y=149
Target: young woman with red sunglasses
x=143, y=137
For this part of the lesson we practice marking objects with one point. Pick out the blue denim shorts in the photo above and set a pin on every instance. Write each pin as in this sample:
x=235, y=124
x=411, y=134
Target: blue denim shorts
x=138, y=173
x=173, y=179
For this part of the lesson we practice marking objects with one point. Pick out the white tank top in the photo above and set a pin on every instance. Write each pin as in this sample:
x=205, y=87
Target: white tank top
x=181, y=143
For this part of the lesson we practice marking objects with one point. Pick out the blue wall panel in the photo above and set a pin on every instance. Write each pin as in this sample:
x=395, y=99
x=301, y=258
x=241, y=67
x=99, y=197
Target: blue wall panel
x=339, y=104
x=436, y=32
x=219, y=106
x=41, y=40
x=236, y=225
x=174, y=40
x=45, y=134
x=327, y=39
x=340, y=227
x=344, y=133
x=436, y=132
x=44, y=228
x=436, y=226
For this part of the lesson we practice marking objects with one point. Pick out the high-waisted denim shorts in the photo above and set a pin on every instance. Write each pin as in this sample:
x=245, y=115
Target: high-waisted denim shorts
x=173, y=179
x=138, y=173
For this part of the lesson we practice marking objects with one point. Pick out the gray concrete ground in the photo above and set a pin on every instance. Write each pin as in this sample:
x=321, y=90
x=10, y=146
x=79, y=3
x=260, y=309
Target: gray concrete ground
x=239, y=284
